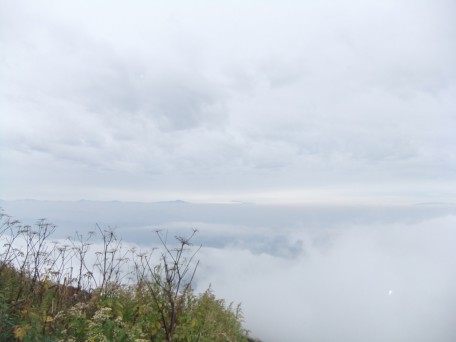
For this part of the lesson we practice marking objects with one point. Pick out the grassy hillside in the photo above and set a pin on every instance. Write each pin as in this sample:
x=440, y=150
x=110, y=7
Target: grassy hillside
x=50, y=291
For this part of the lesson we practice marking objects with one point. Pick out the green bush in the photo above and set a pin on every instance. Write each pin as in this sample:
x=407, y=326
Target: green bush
x=42, y=300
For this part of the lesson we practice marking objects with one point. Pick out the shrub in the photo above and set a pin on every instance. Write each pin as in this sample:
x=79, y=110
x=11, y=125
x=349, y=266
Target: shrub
x=43, y=298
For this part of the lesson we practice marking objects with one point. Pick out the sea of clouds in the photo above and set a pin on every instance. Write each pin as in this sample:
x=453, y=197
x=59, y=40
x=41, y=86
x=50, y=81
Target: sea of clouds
x=302, y=273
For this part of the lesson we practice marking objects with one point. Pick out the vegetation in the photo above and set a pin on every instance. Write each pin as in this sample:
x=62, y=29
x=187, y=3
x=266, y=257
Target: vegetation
x=50, y=291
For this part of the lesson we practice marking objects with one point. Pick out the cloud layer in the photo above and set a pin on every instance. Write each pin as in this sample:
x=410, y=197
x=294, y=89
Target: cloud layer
x=392, y=282
x=238, y=100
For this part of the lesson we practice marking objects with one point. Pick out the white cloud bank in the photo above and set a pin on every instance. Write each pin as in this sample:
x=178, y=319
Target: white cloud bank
x=389, y=282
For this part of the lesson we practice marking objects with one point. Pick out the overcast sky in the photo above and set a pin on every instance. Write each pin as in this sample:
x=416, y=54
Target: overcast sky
x=276, y=101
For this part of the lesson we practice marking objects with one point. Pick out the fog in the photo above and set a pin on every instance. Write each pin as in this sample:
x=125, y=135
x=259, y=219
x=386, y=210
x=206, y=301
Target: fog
x=382, y=283
x=301, y=273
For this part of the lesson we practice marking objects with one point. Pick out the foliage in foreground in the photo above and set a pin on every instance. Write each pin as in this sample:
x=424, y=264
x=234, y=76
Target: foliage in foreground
x=48, y=292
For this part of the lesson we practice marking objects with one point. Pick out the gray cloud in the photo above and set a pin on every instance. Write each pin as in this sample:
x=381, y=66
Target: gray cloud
x=222, y=99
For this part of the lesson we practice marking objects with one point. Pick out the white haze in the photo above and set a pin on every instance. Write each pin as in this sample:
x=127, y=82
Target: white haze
x=381, y=283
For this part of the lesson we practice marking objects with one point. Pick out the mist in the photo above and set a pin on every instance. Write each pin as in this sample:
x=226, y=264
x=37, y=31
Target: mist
x=394, y=282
